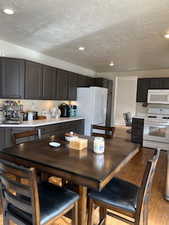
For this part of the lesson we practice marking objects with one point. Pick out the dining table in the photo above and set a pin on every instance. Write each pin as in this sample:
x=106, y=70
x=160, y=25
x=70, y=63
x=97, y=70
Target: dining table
x=86, y=169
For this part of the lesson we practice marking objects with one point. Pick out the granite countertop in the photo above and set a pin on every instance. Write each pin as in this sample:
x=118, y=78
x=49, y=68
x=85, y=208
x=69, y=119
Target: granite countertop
x=38, y=123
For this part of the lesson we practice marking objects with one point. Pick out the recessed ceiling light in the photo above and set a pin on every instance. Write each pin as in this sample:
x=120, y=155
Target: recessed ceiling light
x=111, y=64
x=81, y=48
x=8, y=11
x=166, y=35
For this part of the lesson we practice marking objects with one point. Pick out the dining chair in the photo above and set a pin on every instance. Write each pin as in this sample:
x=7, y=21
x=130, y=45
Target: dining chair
x=128, y=202
x=128, y=121
x=108, y=131
x=29, y=203
x=24, y=134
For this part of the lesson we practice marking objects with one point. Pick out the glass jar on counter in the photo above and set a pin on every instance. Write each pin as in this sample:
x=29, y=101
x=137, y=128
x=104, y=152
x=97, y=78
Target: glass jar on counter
x=99, y=145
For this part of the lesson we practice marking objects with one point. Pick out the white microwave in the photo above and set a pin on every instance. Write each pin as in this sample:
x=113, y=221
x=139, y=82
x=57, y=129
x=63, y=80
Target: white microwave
x=158, y=96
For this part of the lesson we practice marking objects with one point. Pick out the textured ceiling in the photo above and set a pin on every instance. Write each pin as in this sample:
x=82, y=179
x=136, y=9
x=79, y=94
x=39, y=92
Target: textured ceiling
x=128, y=32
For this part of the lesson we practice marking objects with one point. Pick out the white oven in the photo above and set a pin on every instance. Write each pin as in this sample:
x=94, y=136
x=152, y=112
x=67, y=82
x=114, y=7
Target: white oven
x=158, y=96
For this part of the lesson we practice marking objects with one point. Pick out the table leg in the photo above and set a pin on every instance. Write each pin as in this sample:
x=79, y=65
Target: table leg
x=82, y=209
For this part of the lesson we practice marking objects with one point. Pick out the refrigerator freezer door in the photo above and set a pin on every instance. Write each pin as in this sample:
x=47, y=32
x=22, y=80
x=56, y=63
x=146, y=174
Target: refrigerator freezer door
x=85, y=108
x=92, y=104
x=99, y=105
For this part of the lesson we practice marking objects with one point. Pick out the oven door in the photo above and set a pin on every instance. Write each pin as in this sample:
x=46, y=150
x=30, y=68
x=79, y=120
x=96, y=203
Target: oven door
x=156, y=132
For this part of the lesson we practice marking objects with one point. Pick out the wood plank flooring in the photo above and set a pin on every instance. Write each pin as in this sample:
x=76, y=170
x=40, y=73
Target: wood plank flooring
x=158, y=208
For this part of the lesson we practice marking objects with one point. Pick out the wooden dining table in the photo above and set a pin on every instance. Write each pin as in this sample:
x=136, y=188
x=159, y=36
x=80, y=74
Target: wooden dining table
x=84, y=168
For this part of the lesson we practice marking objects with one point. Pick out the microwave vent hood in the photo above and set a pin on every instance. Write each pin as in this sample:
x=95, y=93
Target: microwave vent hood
x=158, y=96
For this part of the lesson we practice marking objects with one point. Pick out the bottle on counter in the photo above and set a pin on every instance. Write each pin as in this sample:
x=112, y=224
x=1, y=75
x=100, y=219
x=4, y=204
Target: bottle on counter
x=74, y=110
x=71, y=111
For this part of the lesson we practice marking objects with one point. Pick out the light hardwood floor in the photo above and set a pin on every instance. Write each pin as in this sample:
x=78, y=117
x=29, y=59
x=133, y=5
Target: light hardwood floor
x=158, y=208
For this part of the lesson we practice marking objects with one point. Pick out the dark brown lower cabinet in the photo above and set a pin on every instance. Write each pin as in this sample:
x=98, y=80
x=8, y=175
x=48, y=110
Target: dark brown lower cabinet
x=5, y=137
x=137, y=130
x=61, y=128
x=58, y=129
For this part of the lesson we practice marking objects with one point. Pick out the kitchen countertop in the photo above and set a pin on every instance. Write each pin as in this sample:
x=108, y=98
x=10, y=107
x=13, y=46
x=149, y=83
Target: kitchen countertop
x=38, y=123
x=140, y=115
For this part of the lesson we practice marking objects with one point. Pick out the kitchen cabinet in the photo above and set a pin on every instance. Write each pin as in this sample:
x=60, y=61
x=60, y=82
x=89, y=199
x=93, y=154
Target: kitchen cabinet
x=33, y=81
x=159, y=83
x=142, y=89
x=72, y=86
x=11, y=78
x=85, y=81
x=137, y=130
x=5, y=138
x=144, y=84
x=23, y=79
x=61, y=128
x=2, y=138
x=62, y=84
x=58, y=129
x=49, y=83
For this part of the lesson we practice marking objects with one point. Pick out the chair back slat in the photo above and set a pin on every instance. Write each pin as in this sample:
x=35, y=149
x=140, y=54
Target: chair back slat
x=146, y=185
x=19, y=193
x=109, y=131
x=17, y=201
x=20, y=189
x=10, y=168
x=16, y=220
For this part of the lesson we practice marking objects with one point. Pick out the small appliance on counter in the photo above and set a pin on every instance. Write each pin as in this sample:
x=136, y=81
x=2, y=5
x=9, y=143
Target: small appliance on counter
x=68, y=110
x=13, y=112
x=65, y=110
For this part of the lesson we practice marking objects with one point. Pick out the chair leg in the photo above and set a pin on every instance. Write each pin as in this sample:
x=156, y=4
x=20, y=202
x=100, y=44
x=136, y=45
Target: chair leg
x=75, y=214
x=90, y=212
x=5, y=219
x=145, y=215
x=103, y=213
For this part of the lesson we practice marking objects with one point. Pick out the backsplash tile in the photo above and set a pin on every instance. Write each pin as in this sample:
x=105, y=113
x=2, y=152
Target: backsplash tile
x=37, y=105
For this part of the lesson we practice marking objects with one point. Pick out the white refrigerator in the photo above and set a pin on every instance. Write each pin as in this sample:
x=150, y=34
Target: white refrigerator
x=92, y=105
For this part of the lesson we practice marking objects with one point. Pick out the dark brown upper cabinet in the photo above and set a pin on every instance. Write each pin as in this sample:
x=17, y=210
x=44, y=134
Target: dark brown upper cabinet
x=33, y=80
x=62, y=85
x=11, y=78
x=72, y=86
x=85, y=81
x=49, y=83
x=144, y=84
x=142, y=89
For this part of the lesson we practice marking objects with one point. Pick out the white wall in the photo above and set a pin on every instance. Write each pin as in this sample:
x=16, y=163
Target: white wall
x=11, y=50
x=125, y=98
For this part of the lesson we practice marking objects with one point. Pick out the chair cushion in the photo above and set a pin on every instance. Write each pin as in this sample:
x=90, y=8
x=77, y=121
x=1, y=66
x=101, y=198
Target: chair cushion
x=119, y=194
x=53, y=201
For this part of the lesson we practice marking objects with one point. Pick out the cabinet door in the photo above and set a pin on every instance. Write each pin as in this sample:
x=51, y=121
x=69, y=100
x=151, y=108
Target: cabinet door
x=85, y=81
x=62, y=85
x=33, y=81
x=72, y=86
x=142, y=89
x=2, y=138
x=160, y=83
x=5, y=138
x=156, y=83
x=11, y=78
x=137, y=130
x=49, y=82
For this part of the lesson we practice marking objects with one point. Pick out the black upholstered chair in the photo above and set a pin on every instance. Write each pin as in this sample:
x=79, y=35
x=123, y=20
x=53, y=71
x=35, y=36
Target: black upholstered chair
x=124, y=198
x=27, y=203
